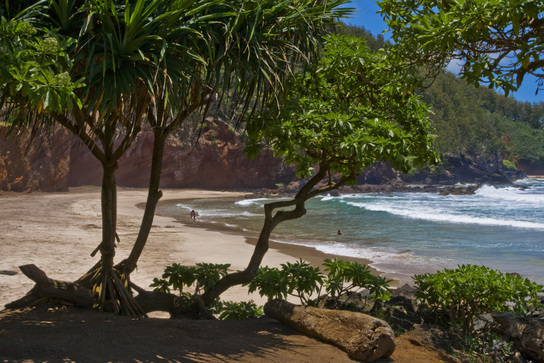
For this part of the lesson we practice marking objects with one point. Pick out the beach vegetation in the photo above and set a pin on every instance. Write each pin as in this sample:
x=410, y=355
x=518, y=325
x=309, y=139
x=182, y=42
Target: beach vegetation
x=458, y=297
x=230, y=310
x=189, y=281
x=105, y=70
x=307, y=283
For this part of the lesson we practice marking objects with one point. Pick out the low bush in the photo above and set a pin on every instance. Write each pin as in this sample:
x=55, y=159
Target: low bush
x=303, y=281
x=470, y=291
x=202, y=277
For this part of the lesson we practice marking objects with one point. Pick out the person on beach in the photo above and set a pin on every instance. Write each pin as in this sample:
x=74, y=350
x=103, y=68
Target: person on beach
x=193, y=215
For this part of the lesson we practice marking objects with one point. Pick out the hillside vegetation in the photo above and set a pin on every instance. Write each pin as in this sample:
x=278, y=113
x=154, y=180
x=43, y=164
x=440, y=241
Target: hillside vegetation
x=479, y=121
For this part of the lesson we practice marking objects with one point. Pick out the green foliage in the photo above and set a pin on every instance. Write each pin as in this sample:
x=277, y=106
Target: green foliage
x=355, y=107
x=33, y=63
x=202, y=277
x=356, y=276
x=469, y=291
x=497, y=42
x=509, y=164
x=296, y=279
x=301, y=280
x=238, y=310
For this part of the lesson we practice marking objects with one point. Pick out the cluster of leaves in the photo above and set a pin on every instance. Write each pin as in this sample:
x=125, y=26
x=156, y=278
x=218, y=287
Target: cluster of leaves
x=303, y=281
x=356, y=107
x=32, y=67
x=201, y=278
x=469, y=291
x=477, y=121
x=497, y=41
x=237, y=310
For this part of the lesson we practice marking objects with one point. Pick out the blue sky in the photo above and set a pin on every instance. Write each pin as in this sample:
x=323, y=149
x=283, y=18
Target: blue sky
x=365, y=15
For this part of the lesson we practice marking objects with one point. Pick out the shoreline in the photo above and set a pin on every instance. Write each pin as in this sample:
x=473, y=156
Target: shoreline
x=58, y=231
x=309, y=254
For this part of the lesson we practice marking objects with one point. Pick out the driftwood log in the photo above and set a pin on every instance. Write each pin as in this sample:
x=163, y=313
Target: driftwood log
x=49, y=288
x=362, y=336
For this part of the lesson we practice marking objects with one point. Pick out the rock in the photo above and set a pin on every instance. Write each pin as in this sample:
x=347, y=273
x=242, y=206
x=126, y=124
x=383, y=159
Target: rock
x=527, y=332
x=362, y=336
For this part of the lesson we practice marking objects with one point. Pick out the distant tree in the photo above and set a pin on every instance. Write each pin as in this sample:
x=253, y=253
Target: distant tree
x=355, y=108
x=496, y=42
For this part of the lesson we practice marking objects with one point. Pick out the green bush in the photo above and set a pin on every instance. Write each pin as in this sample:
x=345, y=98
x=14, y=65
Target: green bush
x=202, y=277
x=302, y=280
x=469, y=291
x=296, y=279
x=344, y=276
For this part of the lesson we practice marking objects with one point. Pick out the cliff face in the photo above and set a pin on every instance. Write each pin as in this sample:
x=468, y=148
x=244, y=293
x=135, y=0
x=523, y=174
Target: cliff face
x=31, y=162
x=57, y=160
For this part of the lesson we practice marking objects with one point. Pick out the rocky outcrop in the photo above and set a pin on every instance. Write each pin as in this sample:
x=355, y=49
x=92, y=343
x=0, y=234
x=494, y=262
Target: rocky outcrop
x=34, y=161
x=456, y=168
x=526, y=332
x=362, y=336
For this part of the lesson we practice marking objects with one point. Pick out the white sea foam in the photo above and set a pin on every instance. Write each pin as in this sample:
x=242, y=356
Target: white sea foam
x=444, y=214
x=511, y=194
x=398, y=262
x=248, y=202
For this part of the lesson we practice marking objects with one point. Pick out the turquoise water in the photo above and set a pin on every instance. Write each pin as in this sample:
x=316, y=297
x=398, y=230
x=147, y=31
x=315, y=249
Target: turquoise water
x=406, y=233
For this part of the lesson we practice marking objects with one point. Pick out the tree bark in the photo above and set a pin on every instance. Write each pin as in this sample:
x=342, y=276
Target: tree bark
x=271, y=221
x=153, y=196
x=49, y=288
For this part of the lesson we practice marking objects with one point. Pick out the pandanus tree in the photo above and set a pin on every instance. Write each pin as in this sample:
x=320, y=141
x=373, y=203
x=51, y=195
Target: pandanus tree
x=113, y=66
x=353, y=109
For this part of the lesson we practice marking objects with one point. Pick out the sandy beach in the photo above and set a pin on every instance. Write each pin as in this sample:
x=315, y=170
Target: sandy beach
x=58, y=231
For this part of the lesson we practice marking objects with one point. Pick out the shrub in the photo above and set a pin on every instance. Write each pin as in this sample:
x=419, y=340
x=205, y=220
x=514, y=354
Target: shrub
x=356, y=276
x=297, y=279
x=509, y=164
x=469, y=291
x=176, y=276
x=302, y=280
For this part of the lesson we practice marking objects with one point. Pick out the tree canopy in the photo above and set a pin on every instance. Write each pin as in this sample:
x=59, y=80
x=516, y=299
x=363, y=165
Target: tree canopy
x=355, y=108
x=352, y=108
x=496, y=42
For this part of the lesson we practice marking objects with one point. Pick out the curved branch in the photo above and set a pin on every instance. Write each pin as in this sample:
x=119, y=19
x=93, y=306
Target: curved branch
x=270, y=222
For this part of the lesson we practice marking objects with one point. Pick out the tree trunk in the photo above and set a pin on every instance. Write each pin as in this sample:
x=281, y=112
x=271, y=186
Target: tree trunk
x=271, y=221
x=108, y=216
x=49, y=288
x=153, y=196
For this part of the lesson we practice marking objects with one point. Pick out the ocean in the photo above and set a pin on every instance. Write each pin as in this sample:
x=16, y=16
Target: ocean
x=403, y=234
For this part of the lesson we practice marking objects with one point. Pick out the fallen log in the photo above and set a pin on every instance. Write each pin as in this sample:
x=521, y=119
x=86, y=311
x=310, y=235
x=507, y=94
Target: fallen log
x=362, y=336
x=49, y=288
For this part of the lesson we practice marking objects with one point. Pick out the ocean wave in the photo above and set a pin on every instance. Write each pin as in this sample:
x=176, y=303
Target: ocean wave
x=396, y=261
x=511, y=194
x=435, y=214
x=248, y=202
